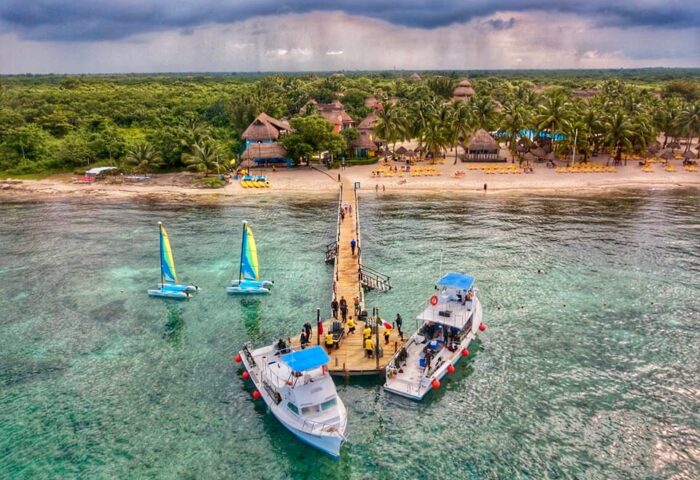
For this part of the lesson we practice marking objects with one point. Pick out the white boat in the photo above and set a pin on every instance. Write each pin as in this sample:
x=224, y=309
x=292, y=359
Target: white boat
x=249, y=270
x=169, y=286
x=449, y=323
x=300, y=393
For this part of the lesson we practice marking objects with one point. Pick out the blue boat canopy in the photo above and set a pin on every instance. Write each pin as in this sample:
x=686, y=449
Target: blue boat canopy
x=456, y=280
x=307, y=359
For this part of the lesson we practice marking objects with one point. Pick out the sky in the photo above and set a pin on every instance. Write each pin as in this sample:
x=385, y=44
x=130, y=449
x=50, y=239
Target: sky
x=114, y=36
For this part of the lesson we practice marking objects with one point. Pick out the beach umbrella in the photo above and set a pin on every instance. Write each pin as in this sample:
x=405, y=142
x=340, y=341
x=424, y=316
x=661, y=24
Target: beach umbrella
x=529, y=157
x=666, y=155
x=410, y=153
x=401, y=150
x=654, y=147
x=688, y=155
x=673, y=145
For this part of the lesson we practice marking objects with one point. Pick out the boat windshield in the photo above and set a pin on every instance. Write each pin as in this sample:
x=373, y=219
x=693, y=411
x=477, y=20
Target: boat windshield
x=312, y=410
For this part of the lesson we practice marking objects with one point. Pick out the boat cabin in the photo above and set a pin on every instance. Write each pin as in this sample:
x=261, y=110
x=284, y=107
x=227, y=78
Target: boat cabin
x=309, y=391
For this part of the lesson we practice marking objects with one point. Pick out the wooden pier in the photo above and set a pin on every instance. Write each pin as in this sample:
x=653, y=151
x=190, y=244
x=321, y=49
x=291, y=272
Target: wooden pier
x=348, y=357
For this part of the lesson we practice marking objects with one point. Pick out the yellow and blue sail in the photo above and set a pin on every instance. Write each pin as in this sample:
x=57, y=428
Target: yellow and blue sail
x=167, y=263
x=249, y=256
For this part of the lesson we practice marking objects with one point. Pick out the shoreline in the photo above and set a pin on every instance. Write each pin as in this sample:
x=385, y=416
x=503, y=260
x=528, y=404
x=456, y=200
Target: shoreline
x=312, y=183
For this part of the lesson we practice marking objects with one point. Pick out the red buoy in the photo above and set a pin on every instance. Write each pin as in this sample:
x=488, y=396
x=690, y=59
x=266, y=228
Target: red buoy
x=245, y=375
x=482, y=327
x=434, y=300
x=238, y=358
x=436, y=384
x=256, y=395
x=465, y=353
x=451, y=368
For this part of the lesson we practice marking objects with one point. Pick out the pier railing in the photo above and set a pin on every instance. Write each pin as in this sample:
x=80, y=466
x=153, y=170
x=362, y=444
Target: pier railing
x=358, y=236
x=331, y=252
x=374, y=280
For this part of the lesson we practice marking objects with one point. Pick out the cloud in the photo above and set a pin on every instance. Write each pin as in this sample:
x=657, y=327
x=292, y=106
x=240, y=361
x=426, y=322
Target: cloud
x=336, y=41
x=90, y=20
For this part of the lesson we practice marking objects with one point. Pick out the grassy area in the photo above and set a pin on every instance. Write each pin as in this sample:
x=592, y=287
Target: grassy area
x=363, y=161
x=211, y=182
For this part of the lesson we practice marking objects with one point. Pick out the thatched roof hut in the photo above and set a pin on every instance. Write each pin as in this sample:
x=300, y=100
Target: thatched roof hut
x=368, y=122
x=365, y=142
x=263, y=151
x=464, y=83
x=415, y=77
x=464, y=91
x=538, y=152
x=666, y=155
x=265, y=129
x=688, y=155
x=482, y=141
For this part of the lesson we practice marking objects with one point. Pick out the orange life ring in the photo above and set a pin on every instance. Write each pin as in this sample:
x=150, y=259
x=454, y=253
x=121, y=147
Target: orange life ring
x=434, y=300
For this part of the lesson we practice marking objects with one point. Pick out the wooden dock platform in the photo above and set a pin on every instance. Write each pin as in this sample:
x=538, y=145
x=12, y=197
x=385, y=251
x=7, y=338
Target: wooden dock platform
x=349, y=357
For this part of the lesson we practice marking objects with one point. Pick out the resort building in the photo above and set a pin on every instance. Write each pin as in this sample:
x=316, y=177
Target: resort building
x=482, y=148
x=261, y=137
x=334, y=113
x=463, y=92
x=366, y=143
x=372, y=102
x=265, y=129
x=264, y=154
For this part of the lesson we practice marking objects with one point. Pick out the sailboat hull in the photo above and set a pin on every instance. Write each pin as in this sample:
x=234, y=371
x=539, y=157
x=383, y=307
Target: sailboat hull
x=238, y=290
x=178, y=287
x=158, y=292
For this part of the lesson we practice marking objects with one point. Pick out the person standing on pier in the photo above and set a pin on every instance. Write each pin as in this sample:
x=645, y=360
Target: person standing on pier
x=356, y=303
x=353, y=244
x=334, y=308
x=398, y=322
x=344, y=308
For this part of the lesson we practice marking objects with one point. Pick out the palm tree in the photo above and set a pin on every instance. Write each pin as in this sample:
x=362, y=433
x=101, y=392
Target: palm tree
x=516, y=118
x=666, y=118
x=204, y=158
x=143, y=157
x=462, y=124
x=553, y=115
x=390, y=125
x=619, y=134
x=483, y=112
x=689, y=122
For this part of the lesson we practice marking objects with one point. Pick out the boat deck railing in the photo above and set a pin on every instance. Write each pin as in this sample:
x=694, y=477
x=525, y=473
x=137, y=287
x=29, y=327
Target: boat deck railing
x=313, y=427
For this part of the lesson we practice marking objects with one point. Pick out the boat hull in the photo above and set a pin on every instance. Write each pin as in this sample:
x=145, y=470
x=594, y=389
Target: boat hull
x=247, y=291
x=174, y=294
x=179, y=287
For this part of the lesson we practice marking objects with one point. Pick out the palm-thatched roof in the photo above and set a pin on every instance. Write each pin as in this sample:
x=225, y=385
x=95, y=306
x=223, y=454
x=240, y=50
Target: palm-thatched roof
x=481, y=140
x=464, y=83
x=666, y=155
x=415, y=77
x=401, y=150
x=364, y=141
x=264, y=151
x=688, y=155
x=265, y=129
x=368, y=122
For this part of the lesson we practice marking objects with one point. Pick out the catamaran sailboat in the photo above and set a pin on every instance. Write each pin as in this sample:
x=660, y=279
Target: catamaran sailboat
x=300, y=392
x=168, y=286
x=450, y=322
x=249, y=270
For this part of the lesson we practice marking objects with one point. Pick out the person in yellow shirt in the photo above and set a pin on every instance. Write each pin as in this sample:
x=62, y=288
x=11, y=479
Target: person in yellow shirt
x=351, y=325
x=329, y=342
x=369, y=347
x=366, y=333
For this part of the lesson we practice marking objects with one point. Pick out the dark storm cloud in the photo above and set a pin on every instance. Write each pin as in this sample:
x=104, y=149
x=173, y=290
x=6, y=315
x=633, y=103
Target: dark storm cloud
x=82, y=20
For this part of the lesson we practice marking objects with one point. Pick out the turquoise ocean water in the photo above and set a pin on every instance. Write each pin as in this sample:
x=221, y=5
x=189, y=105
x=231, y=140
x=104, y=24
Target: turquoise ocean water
x=589, y=369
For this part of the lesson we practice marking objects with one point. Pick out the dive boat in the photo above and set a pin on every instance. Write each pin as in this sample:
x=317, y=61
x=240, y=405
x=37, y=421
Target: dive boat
x=249, y=271
x=299, y=392
x=449, y=323
x=168, y=286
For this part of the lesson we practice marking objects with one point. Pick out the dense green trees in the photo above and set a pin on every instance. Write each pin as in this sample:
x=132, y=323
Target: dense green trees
x=312, y=136
x=67, y=123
